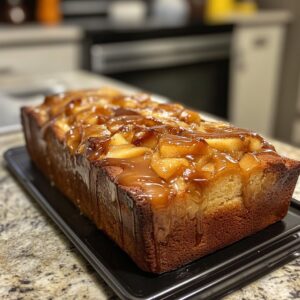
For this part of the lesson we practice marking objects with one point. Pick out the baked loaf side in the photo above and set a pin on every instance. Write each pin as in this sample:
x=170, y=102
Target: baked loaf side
x=167, y=186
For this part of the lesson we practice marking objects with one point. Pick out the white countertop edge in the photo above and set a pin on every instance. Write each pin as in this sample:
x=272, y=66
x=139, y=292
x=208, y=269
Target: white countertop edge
x=10, y=128
x=262, y=17
x=38, y=34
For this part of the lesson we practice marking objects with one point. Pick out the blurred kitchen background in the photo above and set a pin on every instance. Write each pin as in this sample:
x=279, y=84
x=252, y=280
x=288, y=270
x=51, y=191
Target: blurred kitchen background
x=238, y=60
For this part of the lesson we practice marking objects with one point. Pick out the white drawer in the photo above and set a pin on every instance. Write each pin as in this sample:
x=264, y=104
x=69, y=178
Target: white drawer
x=40, y=58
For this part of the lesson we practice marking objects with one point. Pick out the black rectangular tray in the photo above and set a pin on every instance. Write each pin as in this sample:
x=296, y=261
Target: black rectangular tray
x=209, y=277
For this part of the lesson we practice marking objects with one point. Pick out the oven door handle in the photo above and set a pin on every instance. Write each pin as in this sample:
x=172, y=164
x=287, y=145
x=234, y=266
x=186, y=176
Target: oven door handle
x=165, y=52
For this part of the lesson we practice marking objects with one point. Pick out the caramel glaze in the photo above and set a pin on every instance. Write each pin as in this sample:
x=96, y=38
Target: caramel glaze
x=188, y=152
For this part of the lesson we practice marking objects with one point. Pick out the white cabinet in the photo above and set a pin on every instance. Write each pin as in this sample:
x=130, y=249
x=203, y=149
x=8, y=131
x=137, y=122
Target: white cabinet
x=38, y=50
x=295, y=135
x=40, y=58
x=255, y=70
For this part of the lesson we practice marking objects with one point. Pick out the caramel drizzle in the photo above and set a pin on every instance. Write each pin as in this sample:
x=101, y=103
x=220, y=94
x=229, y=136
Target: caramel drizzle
x=88, y=120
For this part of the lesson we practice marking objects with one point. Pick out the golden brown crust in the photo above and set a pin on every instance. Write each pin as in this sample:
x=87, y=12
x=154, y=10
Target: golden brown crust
x=162, y=238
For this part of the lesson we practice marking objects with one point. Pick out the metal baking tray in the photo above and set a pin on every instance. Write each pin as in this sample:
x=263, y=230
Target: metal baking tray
x=212, y=276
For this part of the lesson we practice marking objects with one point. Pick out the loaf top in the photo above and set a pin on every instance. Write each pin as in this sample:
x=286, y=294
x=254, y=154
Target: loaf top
x=158, y=149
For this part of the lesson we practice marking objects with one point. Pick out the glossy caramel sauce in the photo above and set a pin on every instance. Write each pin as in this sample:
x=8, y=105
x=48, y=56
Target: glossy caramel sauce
x=162, y=149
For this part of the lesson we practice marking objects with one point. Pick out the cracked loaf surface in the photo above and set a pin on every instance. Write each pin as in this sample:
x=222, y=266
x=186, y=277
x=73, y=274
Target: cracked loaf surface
x=167, y=186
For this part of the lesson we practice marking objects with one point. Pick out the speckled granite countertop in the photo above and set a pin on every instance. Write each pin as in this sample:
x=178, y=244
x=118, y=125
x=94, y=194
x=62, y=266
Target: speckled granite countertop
x=38, y=262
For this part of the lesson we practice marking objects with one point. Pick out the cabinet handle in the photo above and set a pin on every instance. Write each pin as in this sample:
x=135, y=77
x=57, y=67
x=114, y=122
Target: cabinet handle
x=260, y=42
x=239, y=60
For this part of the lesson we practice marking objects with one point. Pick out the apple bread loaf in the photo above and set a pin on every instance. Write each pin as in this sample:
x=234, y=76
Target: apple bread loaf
x=167, y=186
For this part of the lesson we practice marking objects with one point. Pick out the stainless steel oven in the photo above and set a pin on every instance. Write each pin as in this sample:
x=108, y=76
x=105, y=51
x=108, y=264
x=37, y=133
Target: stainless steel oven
x=191, y=69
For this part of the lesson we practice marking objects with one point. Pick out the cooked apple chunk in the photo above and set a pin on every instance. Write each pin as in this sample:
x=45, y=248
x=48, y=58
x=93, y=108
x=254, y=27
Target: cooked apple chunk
x=179, y=146
x=207, y=171
x=118, y=139
x=126, y=151
x=190, y=116
x=62, y=126
x=248, y=162
x=94, y=131
x=179, y=184
x=146, y=138
x=255, y=143
x=226, y=144
x=167, y=167
x=73, y=138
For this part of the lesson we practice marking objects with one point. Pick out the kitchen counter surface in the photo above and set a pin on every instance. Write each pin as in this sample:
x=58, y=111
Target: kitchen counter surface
x=14, y=86
x=38, y=262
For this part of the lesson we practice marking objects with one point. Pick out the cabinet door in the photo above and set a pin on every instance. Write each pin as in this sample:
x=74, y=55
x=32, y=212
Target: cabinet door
x=295, y=135
x=256, y=56
x=40, y=58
